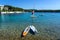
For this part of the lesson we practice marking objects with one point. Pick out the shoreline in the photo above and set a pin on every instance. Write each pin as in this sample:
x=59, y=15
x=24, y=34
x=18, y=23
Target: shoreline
x=11, y=12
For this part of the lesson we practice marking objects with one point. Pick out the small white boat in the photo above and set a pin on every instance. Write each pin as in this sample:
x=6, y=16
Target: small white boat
x=25, y=32
x=33, y=29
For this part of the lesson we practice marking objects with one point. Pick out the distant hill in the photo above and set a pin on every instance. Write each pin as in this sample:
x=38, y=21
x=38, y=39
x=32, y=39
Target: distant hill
x=12, y=8
x=30, y=10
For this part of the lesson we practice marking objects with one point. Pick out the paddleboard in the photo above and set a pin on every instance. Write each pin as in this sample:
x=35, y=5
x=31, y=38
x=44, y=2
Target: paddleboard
x=33, y=29
x=33, y=16
x=25, y=32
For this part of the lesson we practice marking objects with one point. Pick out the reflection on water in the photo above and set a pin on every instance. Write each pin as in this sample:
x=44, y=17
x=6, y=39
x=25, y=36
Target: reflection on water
x=48, y=26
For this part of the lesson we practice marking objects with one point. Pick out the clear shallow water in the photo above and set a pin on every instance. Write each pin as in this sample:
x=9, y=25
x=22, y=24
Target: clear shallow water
x=47, y=25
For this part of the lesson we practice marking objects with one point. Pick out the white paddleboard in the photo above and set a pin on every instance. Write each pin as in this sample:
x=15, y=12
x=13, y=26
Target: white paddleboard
x=33, y=16
x=33, y=29
x=25, y=32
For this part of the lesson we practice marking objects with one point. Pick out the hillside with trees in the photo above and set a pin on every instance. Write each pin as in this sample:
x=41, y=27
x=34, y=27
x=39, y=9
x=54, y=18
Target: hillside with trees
x=12, y=8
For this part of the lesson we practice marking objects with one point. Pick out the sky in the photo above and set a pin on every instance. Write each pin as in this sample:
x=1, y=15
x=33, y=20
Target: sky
x=33, y=4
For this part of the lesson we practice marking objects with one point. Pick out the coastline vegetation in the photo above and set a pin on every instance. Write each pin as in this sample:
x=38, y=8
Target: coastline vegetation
x=8, y=8
x=29, y=10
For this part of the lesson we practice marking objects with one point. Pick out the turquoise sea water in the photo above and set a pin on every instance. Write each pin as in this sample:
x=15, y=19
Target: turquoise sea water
x=47, y=24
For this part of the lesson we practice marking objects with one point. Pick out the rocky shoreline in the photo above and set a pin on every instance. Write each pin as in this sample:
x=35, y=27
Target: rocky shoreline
x=11, y=12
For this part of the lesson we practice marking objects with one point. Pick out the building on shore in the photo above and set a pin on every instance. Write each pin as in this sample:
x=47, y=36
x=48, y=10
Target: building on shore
x=2, y=7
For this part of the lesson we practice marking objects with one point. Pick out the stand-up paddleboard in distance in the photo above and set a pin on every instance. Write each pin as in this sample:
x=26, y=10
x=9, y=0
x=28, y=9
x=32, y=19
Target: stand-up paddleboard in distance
x=33, y=16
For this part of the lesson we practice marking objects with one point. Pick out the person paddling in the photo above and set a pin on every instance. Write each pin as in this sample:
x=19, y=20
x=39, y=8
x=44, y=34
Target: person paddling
x=33, y=16
x=32, y=12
